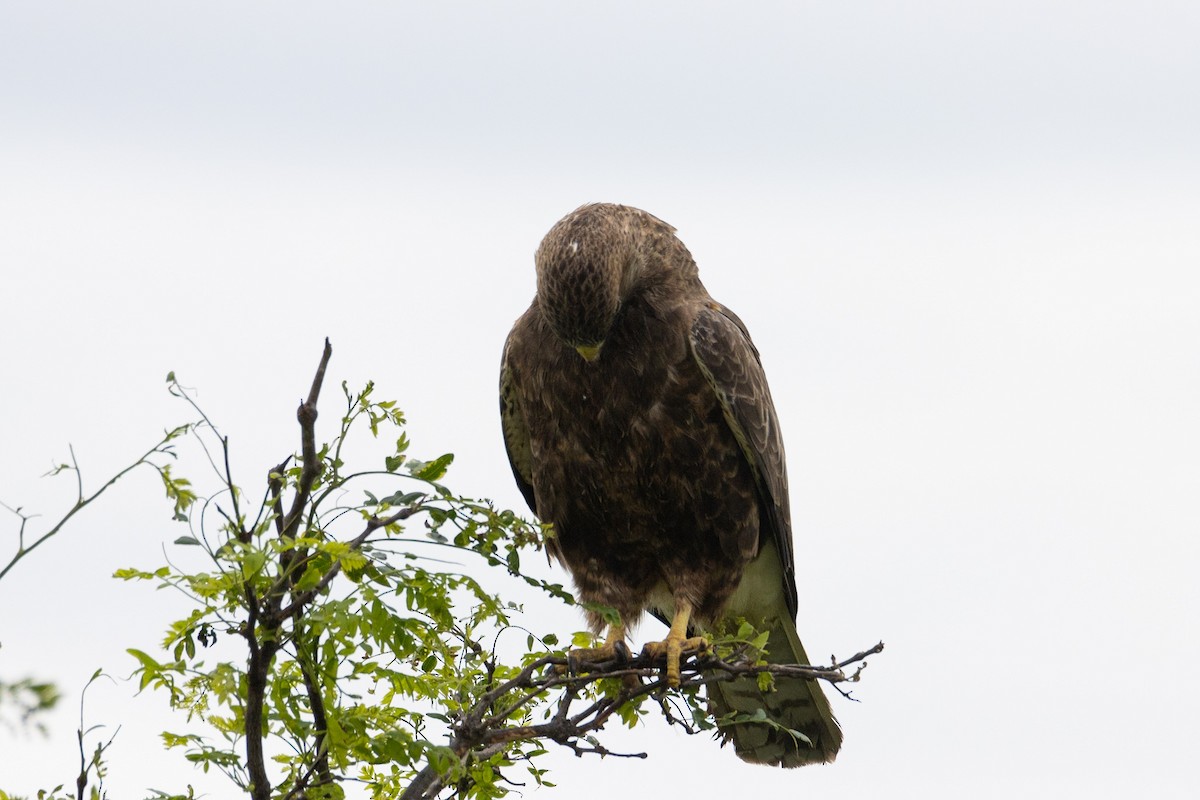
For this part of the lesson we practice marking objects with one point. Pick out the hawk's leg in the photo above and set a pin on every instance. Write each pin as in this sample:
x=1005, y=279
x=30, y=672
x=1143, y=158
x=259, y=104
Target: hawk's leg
x=677, y=643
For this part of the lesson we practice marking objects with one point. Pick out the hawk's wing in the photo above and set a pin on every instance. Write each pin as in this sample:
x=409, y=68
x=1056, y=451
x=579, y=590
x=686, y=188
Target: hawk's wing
x=512, y=420
x=722, y=348
x=729, y=360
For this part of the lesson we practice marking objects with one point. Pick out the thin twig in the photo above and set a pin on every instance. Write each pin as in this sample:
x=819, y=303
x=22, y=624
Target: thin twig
x=83, y=501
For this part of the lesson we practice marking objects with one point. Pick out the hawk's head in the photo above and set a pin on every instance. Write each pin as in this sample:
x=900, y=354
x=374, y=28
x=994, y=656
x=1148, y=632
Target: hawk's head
x=593, y=260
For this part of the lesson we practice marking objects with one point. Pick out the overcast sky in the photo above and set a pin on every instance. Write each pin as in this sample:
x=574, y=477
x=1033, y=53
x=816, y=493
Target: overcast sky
x=966, y=239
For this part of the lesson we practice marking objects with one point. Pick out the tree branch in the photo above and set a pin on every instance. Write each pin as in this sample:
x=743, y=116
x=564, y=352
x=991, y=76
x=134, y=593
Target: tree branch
x=263, y=648
x=482, y=731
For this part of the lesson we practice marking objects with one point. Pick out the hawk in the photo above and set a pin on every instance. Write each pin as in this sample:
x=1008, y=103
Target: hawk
x=638, y=422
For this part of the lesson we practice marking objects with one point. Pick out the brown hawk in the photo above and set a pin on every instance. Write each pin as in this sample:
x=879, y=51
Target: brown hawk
x=638, y=421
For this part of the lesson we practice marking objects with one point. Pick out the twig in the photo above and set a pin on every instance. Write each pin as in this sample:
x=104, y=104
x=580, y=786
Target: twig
x=239, y=526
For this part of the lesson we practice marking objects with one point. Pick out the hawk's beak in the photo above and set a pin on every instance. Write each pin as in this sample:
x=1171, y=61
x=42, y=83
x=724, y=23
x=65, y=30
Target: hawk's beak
x=590, y=352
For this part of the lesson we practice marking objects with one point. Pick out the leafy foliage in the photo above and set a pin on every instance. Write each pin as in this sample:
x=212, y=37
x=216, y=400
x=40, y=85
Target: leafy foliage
x=31, y=698
x=333, y=608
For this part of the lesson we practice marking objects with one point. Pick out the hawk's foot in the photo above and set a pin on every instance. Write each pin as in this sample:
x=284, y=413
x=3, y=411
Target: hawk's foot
x=613, y=649
x=609, y=651
x=674, y=647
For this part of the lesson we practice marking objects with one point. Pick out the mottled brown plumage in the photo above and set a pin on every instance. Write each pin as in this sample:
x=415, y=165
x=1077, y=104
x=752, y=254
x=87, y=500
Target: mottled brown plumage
x=638, y=421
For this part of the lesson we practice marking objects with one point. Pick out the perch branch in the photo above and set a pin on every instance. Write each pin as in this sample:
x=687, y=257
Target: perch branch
x=482, y=731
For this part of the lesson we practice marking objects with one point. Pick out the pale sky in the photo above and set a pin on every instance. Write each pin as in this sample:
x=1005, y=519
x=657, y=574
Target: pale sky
x=965, y=238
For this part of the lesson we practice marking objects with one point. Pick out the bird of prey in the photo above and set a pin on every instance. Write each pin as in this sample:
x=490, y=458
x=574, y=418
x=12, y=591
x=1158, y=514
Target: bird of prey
x=638, y=422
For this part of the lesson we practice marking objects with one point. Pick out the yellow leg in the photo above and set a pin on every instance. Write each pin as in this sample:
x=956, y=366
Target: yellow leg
x=677, y=643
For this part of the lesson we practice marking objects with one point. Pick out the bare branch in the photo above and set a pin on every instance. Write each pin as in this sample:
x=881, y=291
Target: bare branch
x=266, y=615
x=310, y=464
x=83, y=501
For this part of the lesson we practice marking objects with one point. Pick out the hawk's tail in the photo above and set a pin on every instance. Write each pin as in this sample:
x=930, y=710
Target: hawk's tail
x=794, y=704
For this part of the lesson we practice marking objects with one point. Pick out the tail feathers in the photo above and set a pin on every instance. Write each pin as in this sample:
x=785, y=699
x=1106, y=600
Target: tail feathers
x=794, y=703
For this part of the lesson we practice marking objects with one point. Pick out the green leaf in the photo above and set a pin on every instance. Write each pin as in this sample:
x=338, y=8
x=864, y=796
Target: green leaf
x=253, y=561
x=434, y=470
x=188, y=540
x=146, y=661
x=403, y=498
x=443, y=759
x=311, y=577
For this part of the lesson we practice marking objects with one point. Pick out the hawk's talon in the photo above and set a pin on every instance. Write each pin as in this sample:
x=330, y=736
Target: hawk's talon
x=674, y=648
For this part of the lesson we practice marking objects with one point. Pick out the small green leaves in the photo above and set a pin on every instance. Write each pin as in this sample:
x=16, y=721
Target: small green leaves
x=127, y=574
x=329, y=791
x=394, y=462
x=155, y=674
x=178, y=490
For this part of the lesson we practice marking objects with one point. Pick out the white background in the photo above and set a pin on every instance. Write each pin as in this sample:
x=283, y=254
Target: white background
x=964, y=236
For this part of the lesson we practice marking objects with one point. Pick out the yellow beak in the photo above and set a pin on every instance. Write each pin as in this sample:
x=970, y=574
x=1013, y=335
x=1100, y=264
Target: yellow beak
x=590, y=352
